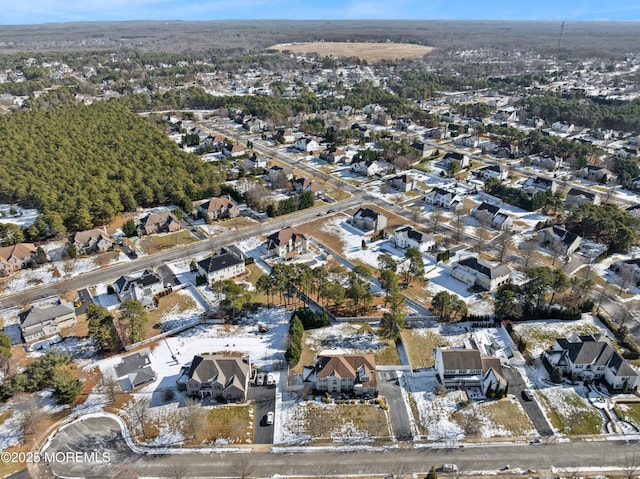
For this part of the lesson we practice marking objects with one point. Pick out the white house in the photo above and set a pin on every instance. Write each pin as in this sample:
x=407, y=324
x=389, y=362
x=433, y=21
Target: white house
x=335, y=372
x=559, y=239
x=366, y=168
x=591, y=358
x=369, y=220
x=477, y=272
x=225, y=264
x=142, y=288
x=493, y=215
x=492, y=171
x=306, y=144
x=454, y=156
x=562, y=127
x=443, y=198
x=467, y=368
x=47, y=318
x=286, y=243
x=407, y=237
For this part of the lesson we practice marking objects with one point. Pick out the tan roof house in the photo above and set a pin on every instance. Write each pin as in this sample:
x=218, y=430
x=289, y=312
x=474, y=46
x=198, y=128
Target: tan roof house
x=15, y=257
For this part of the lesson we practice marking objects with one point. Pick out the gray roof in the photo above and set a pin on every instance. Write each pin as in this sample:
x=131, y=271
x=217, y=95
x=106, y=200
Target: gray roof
x=461, y=359
x=493, y=209
x=596, y=353
x=226, y=370
x=367, y=213
x=221, y=260
x=133, y=362
x=37, y=315
x=484, y=268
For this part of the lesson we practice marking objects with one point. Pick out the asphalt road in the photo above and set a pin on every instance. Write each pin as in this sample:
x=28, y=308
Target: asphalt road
x=102, y=435
x=265, y=400
x=389, y=387
x=516, y=386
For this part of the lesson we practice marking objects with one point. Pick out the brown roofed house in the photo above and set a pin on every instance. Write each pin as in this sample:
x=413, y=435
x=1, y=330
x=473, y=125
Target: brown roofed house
x=335, y=371
x=15, y=257
x=215, y=209
x=164, y=222
x=286, y=243
x=90, y=241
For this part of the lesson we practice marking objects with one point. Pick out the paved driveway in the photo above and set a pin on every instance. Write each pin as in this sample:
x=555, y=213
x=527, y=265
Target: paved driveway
x=388, y=386
x=516, y=386
x=265, y=399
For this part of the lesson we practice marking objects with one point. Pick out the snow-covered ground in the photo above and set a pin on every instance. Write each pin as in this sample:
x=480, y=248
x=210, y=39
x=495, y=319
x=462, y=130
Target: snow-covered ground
x=22, y=216
x=345, y=336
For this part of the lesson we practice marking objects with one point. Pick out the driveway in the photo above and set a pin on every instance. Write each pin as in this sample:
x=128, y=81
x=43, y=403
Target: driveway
x=85, y=300
x=265, y=399
x=168, y=278
x=389, y=387
x=516, y=386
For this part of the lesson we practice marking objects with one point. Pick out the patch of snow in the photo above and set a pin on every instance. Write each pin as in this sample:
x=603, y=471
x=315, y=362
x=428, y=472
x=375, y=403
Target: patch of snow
x=23, y=217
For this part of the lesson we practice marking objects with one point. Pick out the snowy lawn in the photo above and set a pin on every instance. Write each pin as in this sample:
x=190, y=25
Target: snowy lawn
x=569, y=412
x=197, y=425
x=175, y=310
x=629, y=412
x=352, y=338
x=540, y=335
x=335, y=423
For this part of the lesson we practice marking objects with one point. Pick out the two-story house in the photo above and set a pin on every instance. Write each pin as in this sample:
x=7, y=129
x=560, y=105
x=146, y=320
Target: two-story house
x=598, y=174
x=225, y=264
x=15, y=257
x=286, y=243
x=301, y=185
x=366, y=167
x=591, y=358
x=559, y=239
x=488, y=214
x=402, y=182
x=90, y=241
x=492, y=171
x=407, y=237
x=579, y=197
x=142, y=288
x=464, y=160
x=477, y=272
x=367, y=219
x=337, y=372
x=164, y=222
x=467, y=368
x=443, y=198
x=219, y=208
x=46, y=318
x=306, y=144
x=219, y=376
x=538, y=184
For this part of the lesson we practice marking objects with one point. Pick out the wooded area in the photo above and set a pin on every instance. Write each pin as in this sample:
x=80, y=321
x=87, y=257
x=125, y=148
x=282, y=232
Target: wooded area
x=88, y=163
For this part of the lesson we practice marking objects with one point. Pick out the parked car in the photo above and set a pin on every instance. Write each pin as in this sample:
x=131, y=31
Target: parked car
x=271, y=381
x=269, y=418
x=449, y=468
x=260, y=379
x=527, y=395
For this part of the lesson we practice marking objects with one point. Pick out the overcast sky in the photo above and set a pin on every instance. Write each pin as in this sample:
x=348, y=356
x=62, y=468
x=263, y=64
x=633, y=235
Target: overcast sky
x=42, y=11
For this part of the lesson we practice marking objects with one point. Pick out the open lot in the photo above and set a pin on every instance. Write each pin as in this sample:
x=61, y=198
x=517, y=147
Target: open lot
x=372, y=52
x=570, y=413
x=629, y=412
x=420, y=344
x=155, y=243
x=540, y=335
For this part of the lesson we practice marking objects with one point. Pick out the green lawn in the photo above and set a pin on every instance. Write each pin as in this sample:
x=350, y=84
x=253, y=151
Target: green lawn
x=629, y=412
x=154, y=243
x=420, y=346
x=569, y=413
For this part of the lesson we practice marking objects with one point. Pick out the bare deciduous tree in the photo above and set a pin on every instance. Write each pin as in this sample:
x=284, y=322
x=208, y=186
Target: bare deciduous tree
x=140, y=409
x=192, y=416
x=31, y=414
x=243, y=466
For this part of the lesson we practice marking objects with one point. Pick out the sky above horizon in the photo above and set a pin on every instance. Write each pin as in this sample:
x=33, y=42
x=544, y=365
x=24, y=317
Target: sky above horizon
x=46, y=11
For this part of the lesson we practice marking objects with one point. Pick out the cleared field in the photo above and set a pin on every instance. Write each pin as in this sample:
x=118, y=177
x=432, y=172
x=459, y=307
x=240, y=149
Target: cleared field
x=372, y=52
x=569, y=413
x=155, y=243
x=343, y=422
x=420, y=344
x=629, y=412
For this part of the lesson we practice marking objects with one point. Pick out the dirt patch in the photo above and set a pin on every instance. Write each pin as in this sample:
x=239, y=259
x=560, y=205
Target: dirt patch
x=372, y=52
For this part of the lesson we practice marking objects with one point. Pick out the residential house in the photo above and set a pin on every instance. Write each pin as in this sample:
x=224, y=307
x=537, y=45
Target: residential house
x=332, y=154
x=628, y=269
x=479, y=273
x=225, y=264
x=538, y=184
x=47, y=318
x=464, y=160
x=255, y=161
x=218, y=376
x=142, y=288
x=579, y=197
x=467, y=368
x=306, y=144
x=134, y=370
x=234, y=150
x=408, y=237
x=466, y=140
x=215, y=141
x=506, y=116
x=219, y=208
x=489, y=214
x=562, y=127
x=337, y=372
x=276, y=173
x=591, y=358
x=559, y=239
x=15, y=257
x=369, y=220
x=255, y=125
x=284, y=136
x=424, y=149
x=492, y=171
x=90, y=241
x=443, y=198
x=549, y=162
x=366, y=167
x=305, y=184
x=286, y=243
x=164, y=222
x=402, y=182
x=594, y=173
